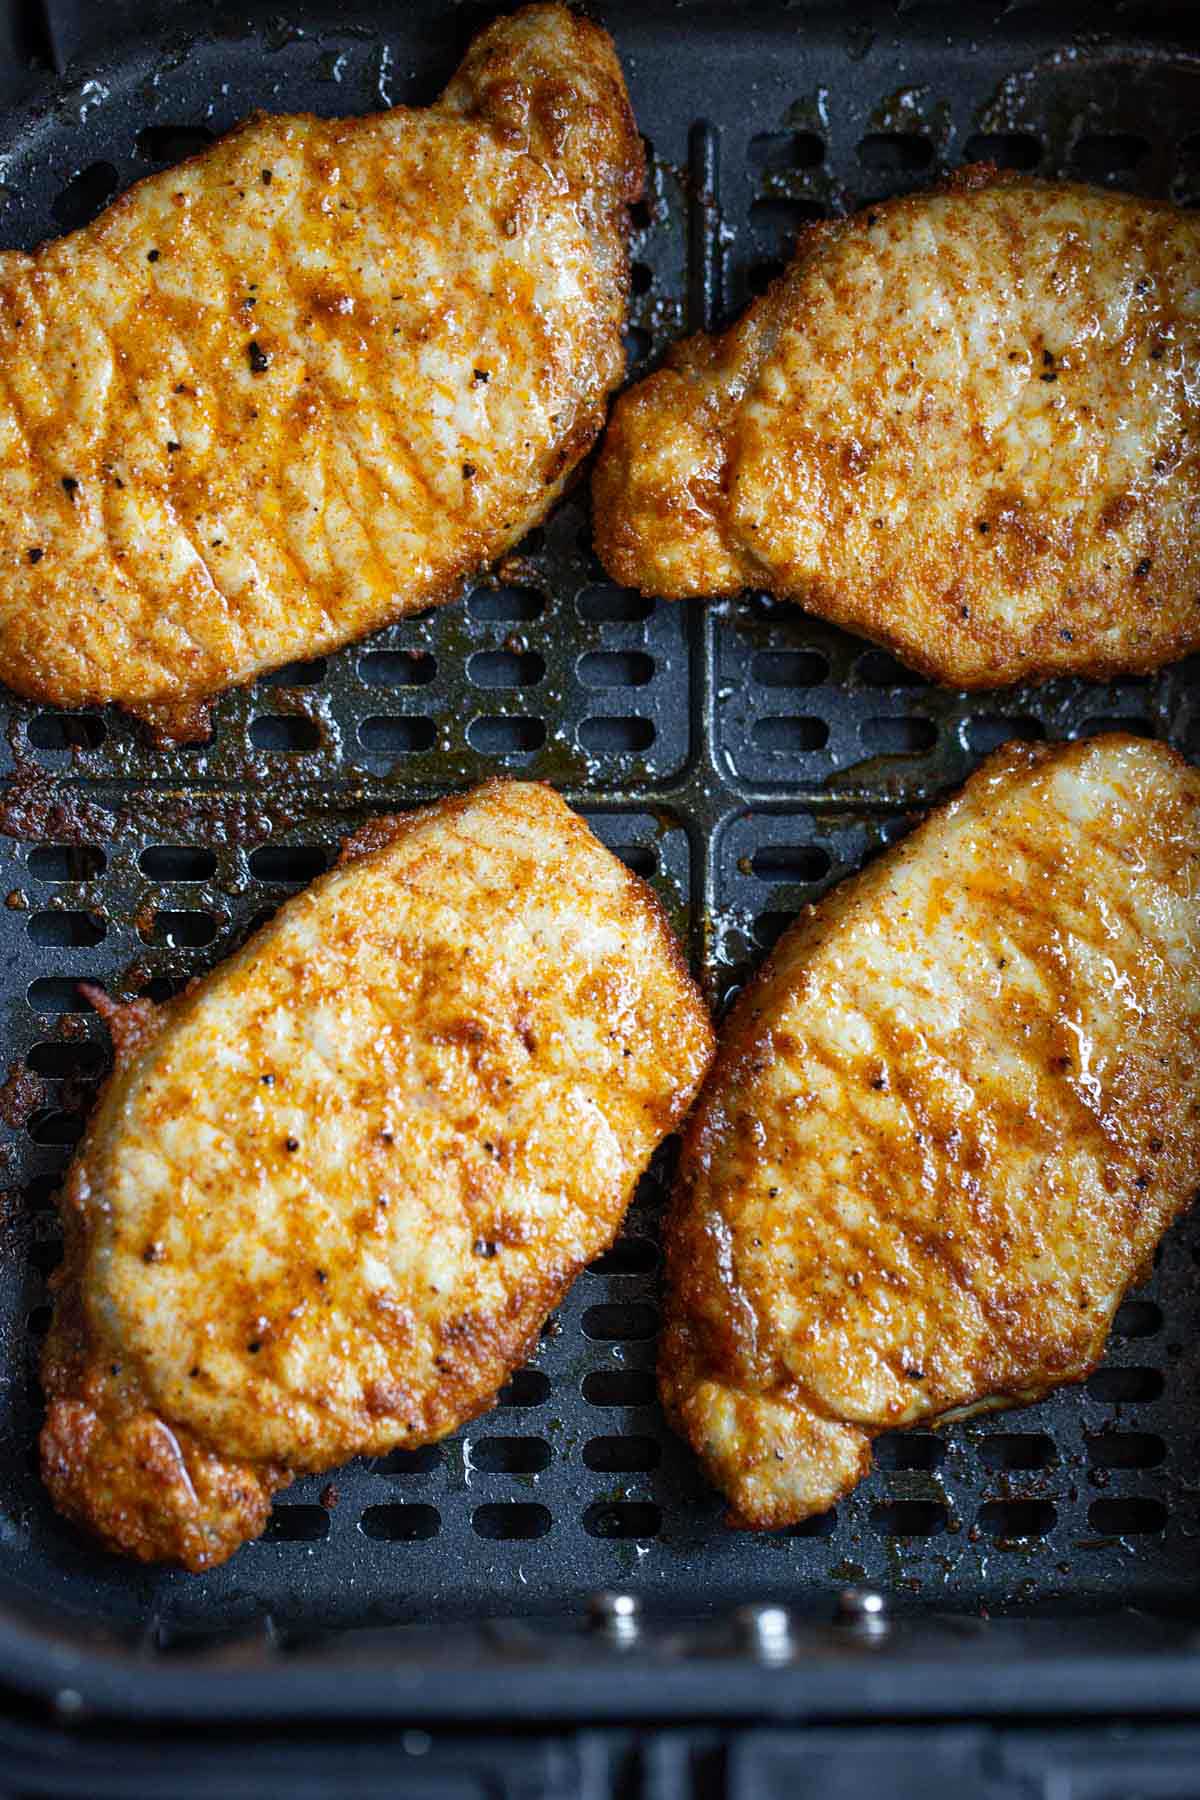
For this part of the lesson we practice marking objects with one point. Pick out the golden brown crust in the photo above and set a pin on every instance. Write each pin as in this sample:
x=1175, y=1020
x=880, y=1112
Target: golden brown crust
x=330, y=1194
x=111, y=1462
x=374, y=834
x=962, y=424
x=312, y=379
x=947, y=1126
x=132, y=1024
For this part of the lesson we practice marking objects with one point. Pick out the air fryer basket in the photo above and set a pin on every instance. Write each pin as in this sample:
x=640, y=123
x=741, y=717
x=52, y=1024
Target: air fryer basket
x=744, y=758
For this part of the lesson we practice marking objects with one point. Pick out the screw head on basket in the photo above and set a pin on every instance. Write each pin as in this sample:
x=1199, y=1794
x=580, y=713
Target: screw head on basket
x=615, y=1616
x=764, y=1630
x=863, y=1610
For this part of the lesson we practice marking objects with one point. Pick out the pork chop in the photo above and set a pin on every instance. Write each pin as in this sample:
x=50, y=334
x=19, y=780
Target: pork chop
x=312, y=379
x=948, y=1125
x=964, y=424
x=330, y=1195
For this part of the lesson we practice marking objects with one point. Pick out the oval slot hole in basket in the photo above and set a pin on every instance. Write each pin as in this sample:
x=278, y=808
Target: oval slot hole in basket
x=909, y=1518
x=494, y=735
x=66, y=862
x=619, y=1387
x=1132, y=1515
x=401, y=1524
x=525, y=1387
x=1017, y=1518
x=1125, y=1450
x=1123, y=1387
x=510, y=1455
x=67, y=930
x=622, y=1455
x=297, y=1525
x=789, y=734
x=623, y=1519
x=622, y=1319
x=177, y=862
x=615, y=736
x=1017, y=1450
x=518, y=1522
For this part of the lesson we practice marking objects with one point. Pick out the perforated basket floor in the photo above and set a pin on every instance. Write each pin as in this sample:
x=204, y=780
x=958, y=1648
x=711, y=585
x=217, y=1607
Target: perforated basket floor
x=743, y=757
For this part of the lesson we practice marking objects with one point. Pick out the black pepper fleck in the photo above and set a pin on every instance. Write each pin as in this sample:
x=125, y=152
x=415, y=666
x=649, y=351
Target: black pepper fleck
x=173, y=445
x=70, y=486
x=1050, y=376
x=479, y=377
x=267, y=1080
x=291, y=1143
x=266, y=176
x=254, y=1346
x=468, y=470
x=483, y=1247
x=152, y=255
x=260, y=362
x=36, y=555
x=1142, y=570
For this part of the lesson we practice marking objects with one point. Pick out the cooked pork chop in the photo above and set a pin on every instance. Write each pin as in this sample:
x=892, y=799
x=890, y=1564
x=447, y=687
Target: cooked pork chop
x=311, y=379
x=965, y=424
x=947, y=1126
x=331, y=1194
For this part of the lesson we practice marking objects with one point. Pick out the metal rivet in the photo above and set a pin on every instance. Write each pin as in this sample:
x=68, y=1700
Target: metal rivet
x=616, y=1616
x=863, y=1610
x=766, y=1631
x=68, y=1703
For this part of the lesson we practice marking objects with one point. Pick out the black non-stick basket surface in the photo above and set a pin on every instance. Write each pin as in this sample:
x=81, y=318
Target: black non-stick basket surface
x=743, y=757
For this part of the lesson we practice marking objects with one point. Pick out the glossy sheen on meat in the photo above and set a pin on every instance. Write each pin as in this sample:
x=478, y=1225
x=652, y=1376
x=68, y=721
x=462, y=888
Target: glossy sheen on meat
x=330, y=1196
x=964, y=424
x=311, y=379
x=947, y=1127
